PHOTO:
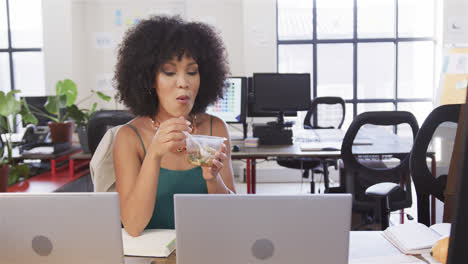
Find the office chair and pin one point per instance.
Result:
(101, 121)
(424, 182)
(326, 113)
(391, 187)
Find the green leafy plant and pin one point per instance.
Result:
(81, 115)
(10, 107)
(65, 96)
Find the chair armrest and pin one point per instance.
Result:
(381, 190)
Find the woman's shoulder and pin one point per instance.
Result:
(132, 131)
(129, 127)
(130, 136)
(214, 123)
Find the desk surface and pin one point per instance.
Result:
(43, 156)
(383, 142)
(364, 247)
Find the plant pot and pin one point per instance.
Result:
(83, 136)
(61, 132)
(4, 172)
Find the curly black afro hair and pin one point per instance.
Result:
(156, 40)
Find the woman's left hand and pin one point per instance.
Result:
(211, 173)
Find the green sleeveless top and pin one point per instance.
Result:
(172, 182)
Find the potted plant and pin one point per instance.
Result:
(10, 107)
(61, 130)
(81, 116)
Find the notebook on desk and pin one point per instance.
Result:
(273, 229)
(157, 243)
(57, 228)
(416, 238)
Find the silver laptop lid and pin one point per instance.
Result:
(274, 229)
(60, 228)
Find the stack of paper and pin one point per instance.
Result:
(156, 243)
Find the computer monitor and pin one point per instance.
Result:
(458, 245)
(231, 108)
(38, 102)
(281, 93)
(251, 111)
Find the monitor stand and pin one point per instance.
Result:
(245, 128)
(280, 122)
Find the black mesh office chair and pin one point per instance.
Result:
(425, 183)
(325, 112)
(101, 121)
(377, 191)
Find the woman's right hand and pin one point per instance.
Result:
(169, 136)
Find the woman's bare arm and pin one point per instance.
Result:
(136, 181)
(224, 182)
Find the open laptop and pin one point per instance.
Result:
(273, 229)
(60, 228)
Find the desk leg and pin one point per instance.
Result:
(433, 200)
(326, 178)
(249, 186)
(53, 168)
(402, 211)
(254, 176)
(71, 165)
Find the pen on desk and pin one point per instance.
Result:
(171, 244)
(420, 257)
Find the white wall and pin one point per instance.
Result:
(260, 36)
(57, 36)
(455, 21)
(226, 16)
(70, 28)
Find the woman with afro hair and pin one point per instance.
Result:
(168, 71)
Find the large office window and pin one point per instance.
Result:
(375, 54)
(21, 57)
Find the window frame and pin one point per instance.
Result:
(10, 50)
(355, 41)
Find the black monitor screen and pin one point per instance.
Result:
(251, 111)
(38, 102)
(231, 108)
(281, 92)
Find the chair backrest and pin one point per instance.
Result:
(102, 129)
(326, 112)
(372, 175)
(101, 121)
(425, 183)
